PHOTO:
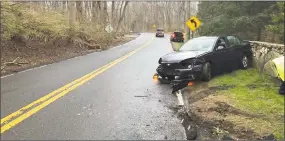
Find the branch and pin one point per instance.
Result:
(14, 62)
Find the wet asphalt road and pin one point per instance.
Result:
(121, 103)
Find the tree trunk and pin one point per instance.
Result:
(79, 11)
(94, 11)
(113, 8)
(72, 15)
(105, 14)
(122, 15)
(99, 5)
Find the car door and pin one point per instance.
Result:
(220, 56)
(235, 48)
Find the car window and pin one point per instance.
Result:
(202, 44)
(221, 42)
(179, 34)
(233, 40)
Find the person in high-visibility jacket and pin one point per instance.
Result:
(279, 64)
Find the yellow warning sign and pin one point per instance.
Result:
(193, 23)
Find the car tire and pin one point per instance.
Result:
(206, 72)
(244, 62)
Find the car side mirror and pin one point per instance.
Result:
(220, 47)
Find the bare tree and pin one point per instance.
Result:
(122, 15)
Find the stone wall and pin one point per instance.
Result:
(263, 52)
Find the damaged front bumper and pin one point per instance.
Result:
(183, 75)
(180, 75)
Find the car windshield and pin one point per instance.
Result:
(203, 44)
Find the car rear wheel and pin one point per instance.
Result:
(244, 62)
(206, 72)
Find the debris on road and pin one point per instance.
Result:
(165, 137)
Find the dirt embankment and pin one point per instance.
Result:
(209, 113)
(18, 54)
(34, 35)
(237, 106)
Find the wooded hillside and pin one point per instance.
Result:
(251, 20)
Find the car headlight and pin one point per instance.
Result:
(191, 63)
(190, 66)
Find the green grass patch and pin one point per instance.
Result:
(255, 93)
(243, 78)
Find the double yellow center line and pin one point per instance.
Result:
(30, 109)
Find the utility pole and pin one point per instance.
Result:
(188, 16)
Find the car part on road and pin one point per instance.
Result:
(179, 86)
(190, 127)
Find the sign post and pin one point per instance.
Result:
(154, 26)
(109, 29)
(193, 24)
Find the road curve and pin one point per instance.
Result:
(121, 102)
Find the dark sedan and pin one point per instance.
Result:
(201, 58)
(159, 32)
(177, 36)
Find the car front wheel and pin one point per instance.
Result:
(206, 72)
